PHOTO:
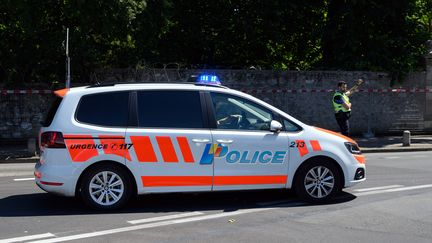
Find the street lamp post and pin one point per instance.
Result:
(67, 60)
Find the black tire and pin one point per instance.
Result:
(309, 188)
(114, 194)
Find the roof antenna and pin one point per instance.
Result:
(67, 60)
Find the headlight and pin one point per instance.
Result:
(352, 148)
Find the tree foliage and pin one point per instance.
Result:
(240, 33)
(272, 34)
(374, 35)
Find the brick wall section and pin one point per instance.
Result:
(298, 93)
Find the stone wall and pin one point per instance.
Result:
(304, 95)
(21, 114)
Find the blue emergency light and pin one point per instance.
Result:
(208, 79)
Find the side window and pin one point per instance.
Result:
(232, 112)
(169, 109)
(104, 109)
(290, 126)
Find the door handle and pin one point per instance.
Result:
(200, 140)
(227, 141)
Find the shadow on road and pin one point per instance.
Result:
(44, 204)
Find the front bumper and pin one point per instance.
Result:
(356, 170)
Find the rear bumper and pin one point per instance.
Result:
(54, 180)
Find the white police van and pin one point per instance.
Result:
(109, 142)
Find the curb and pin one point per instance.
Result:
(20, 160)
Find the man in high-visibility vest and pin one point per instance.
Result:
(342, 107)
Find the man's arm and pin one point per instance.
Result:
(339, 100)
(347, 105)
(355, 87)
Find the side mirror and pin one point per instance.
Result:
(275, 126)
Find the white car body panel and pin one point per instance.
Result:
(65, 166)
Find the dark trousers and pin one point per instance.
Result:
(342, 120)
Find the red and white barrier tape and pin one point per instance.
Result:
(254, 91)
(263, 91)
(28, 91)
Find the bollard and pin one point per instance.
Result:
(406, 141)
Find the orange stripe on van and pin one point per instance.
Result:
(115, 146)
(143, 149)
(185, 150)
(153, 181)
(74, 146)
(315, 145)
(167, 150)
(303, 150)
(360, 158)
(336, 134)
(156, 181)
(249, 180)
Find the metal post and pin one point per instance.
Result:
(67, 60)
(406, 139)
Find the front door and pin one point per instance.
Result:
(247, 155)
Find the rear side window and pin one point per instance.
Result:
(104, 109)
(52, 111)
(169, 109)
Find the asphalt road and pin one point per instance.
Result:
(393, 205)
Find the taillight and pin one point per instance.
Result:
(52, 140)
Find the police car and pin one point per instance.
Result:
(106, 143)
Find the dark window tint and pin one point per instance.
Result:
(104, 109)
(52, 111)
(291, 127)
(175, 109)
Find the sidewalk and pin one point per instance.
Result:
(16, 153)
(19, 153)
(394, 144)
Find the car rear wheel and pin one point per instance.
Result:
(318, 181)
(105, 187)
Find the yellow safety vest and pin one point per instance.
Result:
(339, 107)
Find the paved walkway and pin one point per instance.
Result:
(18, 153)
(394, 144)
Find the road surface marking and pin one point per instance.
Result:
(203, 217)
(392, 157)
(29, 237)
(394, 190)
(175, 216)
(25, 179)
(152, 225)
(16, 173)
(377, 188)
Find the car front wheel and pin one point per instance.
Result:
(318, 181)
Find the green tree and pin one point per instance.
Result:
(103, 33)
(240, 33)
(374, 35)
(30, 42)
(279, 34)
